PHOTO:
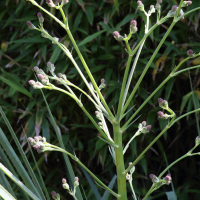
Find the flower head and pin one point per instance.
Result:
(30, 25)
(190, 53)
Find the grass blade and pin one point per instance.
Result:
(111, 184)
(5, 194)
(14, 158)
(92, 185)
(18, 182)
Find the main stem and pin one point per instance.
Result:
(121, 177)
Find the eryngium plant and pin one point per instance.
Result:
(103, 113)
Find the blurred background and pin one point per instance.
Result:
(22, 49)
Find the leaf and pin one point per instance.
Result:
(5, 194)
(17, 86)
(92, 185)
(91, 37)
(111, 184)
(184, 100)
(171, 195)
(116, 5)
(18, 182)
(55, 54)
(89, 14)
(196, 61)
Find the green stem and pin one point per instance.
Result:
(123, 86)
(82, 165)
(134, 64)
(130, 182)
(106, 137)
(121, 178)
(146, 101)
(166, 169)
(147, 67)
(187, 13)
(127, 145)
(147, 148)
(84, 64)
(183, 70)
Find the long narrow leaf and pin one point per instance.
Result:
(92, 185)
(18, 182)
(107, 193)
(5, 194)
(22, 172)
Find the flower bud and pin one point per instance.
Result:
(38, 85)
(197, 141)
(148, 127)
(64, 181)
(55, 195)
(140, 5)
(31, 141)
(102, 80)
(168, 179)
(117, 36)
(66, 186)
(154, 178)
(174, 8)
(51, 67)
(144, 123)
(36, 147)
(76, 183)
(190, 53)
(40, 76)
(36, 69)
(133, 27)
(186, 3)
(151, 176)
(76, 178)
(163, 103)
(31, 82)
(128, 176)
(30, 25)
(41, 19)
(152, 9)
(158, 6)
(50, 3)
(65, 1)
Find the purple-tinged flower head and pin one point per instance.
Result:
(40, 76)
(50, 3)
(148, 127)
(66, 186)
(140, 5)
(174, 8)
(163, 103)
(133, 22)
(59, 75)
(49, 64)
(160, 114)
(152, 176)
(65, 1)
(186, 3)
(31, 82)
(144, 123)
(190, 53)
(36, 69)
(64, 181)
(133, 27)
(76, 183)
(117, 36)
(158, 7)
(168, 177)
(40, 17)
(45, 81)
(129, 163)
(197, 141)
(102, 80)
(55, 195)
(152, 7)
(30, 25)
(36, 147)
(31, 141)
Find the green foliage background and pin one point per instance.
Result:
(22, 49)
